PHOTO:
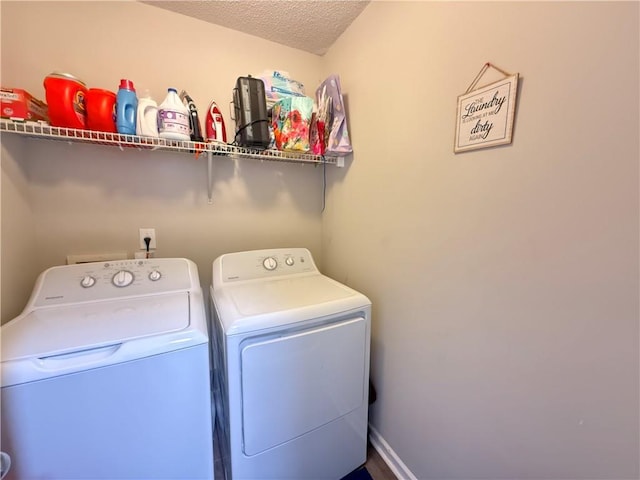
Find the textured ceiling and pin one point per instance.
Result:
(310, 25)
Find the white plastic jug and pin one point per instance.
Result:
(173, 117)
(147, 118)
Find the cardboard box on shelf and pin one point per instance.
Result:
(17, 104)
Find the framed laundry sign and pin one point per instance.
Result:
(485, 115)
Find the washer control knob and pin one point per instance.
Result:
(155, 276)
(123, 278)
(289, 261)
(269, 263)
(87, 281)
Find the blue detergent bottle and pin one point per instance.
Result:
(126, 108)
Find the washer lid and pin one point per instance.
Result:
(52, 341)
(56, 330)
(268, 303)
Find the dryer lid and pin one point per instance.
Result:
(50, 331)
(286, 294)
(263, 304)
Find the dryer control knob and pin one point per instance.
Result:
(155, 276)
(87, 281)
(289, 261)
(123, 278)
(269, 263)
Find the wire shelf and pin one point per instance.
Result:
(43, 130)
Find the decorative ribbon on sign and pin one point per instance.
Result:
(485, 115)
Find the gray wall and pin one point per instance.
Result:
(504, 281)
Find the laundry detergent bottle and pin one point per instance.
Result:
(147, 118)
(126, 108)
(173, 117)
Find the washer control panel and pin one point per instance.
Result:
(113, 279)
(263, 264)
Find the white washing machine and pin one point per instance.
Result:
(291, 367)
(105, 375)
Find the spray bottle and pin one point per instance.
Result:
(194, 122)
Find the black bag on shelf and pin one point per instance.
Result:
(250, 108)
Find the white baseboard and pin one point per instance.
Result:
(390, 457)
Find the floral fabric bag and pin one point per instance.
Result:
(291, 120)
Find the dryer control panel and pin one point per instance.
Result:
(114, 279)
(256, 264)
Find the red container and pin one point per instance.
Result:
(101, 111)
(66, 99)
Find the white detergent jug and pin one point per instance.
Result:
(147, 118)
(173, 118)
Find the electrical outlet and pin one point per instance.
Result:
(148, 232)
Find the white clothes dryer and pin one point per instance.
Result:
(291, 367)
(105, 374)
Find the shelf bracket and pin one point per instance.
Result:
(210, 177)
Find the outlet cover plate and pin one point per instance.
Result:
(148, 232)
